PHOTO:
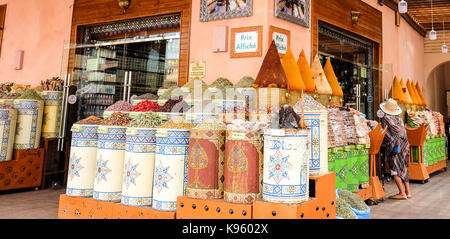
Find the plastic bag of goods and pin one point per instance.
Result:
(206, 160)
(29, 123)
(8, 119)
(170, 174)
(286, 165)
(110, 157)
(337, 126)
(357, 205)
(350, 126)
(52, 113)
(316, 118)
(83, 157)
(140, 159)
(343, 210)
(243, 162)
(362, 129)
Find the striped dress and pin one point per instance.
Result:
(398, 162)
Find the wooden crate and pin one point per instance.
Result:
(24, 171)
(191, 208)
(88, 208)
(320, 206)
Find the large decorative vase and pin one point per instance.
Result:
(29, 123)
(243, 167)
(206, 164)
(82, 163)
(286, 169)
(138, 167)
(8, 119)
(110, 161)
(52, 113)
(170, 173)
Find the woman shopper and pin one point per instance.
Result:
(396, 146)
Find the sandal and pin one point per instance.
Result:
(409, 196)
(398, 197)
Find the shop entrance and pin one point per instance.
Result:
(352, 60)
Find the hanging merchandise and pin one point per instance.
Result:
(83, 157)
(30, 109)
(271, 73)
(110, 157)
(332, 79)
(316, 118)
(406, 92)
(292, 72)
(205, 175)
(170, 171)
(243, 162)
(305, 71)
(323, 87)
(422, 97)
(286, 159)
(8, 120)
(52, 113)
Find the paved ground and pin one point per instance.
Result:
(429, 200)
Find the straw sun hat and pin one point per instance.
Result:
(391, 107)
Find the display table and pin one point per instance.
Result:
(190, 208)
(376, 139)
(24, 171)
(88, 208)
(416, 138)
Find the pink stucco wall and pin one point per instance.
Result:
(39, 28)
(220, 64)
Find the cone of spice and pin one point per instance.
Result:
(245, 82)
(406, 92)
(332, 79)
(271, 73)
(419, 91)
(323, 87)
(305, 71)
(30, 95)
(293, 75)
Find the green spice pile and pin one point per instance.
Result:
(117, 119)
(212, 124)
(173, 91)
(148, 96)
(245, 82)
(222, 83)
(353, 200)
(146, 120)
(30, 95)
(343, 209)
(191, 84)
(92, 120)
(177, 123)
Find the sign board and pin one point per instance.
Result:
(281, 37)
(246, 42)
(197, 70)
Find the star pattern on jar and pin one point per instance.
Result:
(162, 177)
(102, 169)
(75, 166)
(279, 166)
(130, 174)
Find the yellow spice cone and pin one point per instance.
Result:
(293, 75)
(413, 93)
(323, 87)
(307, 75)
(397, 91)
(416, 94)
(406, 92)
(332, 79)
(422, 97)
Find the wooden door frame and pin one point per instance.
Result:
(337, 22)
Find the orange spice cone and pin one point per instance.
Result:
(332, 79)
(422, 97)
(323, 87)
(406, 92)
(292, 72)
(305, 71)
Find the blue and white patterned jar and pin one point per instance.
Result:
(110, 161)
(138, 166)
(286, 166)
(52, 113)
(170, 174)
(82, 163)
(29, 123)
(8, 118)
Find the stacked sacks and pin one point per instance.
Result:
(305, 71)
(320, 79)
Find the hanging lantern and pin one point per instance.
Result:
(402, 6)
(444, 49)
(433, 35)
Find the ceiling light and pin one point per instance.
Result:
(402, 6)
